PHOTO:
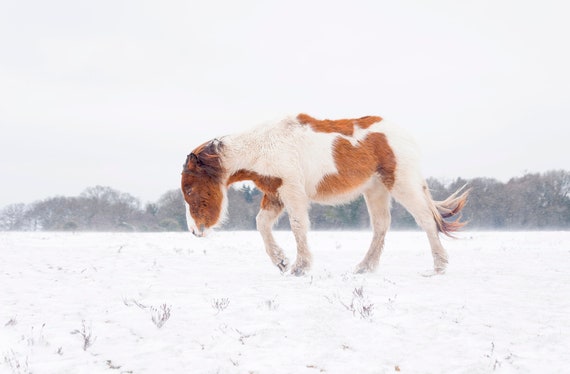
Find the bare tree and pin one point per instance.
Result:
(12, 217)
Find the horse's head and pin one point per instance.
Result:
(203, 189)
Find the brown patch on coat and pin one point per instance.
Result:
(201, 183)
(271, 202)
(268, 185)
(356, 164)
(341, 126)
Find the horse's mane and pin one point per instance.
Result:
(205, 160)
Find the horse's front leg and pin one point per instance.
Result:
(299, 226)
(270, 210)
(298, 210)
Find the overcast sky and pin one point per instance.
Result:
(117, 93)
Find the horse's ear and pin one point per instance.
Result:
(217, 145)
(213, 148)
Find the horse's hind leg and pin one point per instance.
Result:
(377, 199)
(270, 210)
(414, 196)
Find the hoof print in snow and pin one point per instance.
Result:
(432, 273)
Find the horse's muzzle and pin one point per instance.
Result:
(199, 232)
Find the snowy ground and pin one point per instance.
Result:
(93, 303)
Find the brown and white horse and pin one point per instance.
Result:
(300, 160)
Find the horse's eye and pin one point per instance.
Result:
(188, 190)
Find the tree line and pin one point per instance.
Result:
(533, 201)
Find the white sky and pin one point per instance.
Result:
(118, 92)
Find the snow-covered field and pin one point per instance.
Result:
(172, 303)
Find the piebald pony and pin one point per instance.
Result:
(300, 160)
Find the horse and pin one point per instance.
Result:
(299, 160)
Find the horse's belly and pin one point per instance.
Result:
(339, 196)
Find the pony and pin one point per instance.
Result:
(299, 160)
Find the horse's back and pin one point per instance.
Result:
(334, 160)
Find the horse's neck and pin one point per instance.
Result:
(241, 151)
(249, 151)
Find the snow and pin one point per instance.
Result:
(503, 306)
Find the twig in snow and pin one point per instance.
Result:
(112, 366)
(359, 304)
(243, 337)
(33, 340)
(160, 315)
(220, 304)
(272, 304)
(14, 363)
(131, 301)
(86, 333)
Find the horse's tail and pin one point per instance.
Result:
(447, 208)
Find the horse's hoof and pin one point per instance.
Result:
(283, 265)
(439, 270)
(363, 268)
(298, 271)
(301, 266)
